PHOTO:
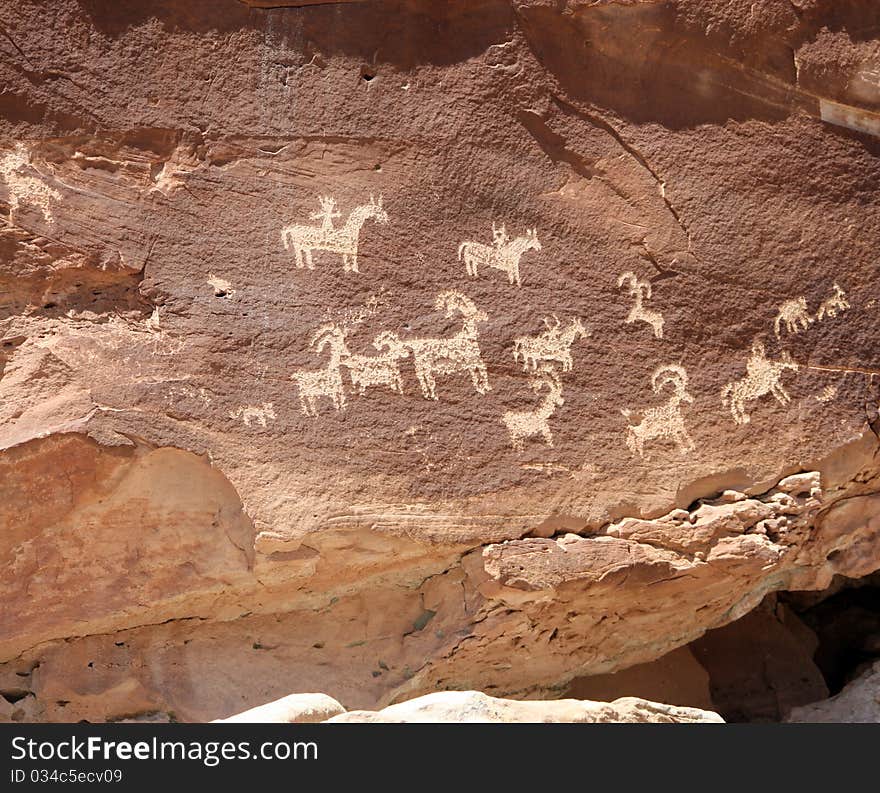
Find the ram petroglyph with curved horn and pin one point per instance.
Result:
(449, 355)
(326, 382)
(640, 290)
(523, 424)
(662, 421)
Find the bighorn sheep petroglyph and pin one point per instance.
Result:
(662, 421)
(326, 382)
(378, 370)
(640, 290)
(458, 353)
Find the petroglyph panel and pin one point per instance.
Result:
(305, 240)
(503, 254)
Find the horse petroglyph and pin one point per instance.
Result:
(458, 353)
(24, 188)
(378, 370)
(663, 421)
(640, 289)
(793, 316)
(522, 424)
(326, 382)
(249, 413)
(306, 239)
(504, 254)
(763, 376)
(553, 344)
(834, 305)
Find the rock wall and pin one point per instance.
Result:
(375, 348)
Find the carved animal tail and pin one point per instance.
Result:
(725, 394)
(460, 249)
(285, 240)
(626, 413)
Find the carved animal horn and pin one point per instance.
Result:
(671, 373)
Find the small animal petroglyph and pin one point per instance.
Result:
(640, 289)
(458, 353)
(326, 382)
(793, 315)
(378, 370)
(522, 424)
(504, 254)
(763, 376)
(553, 344)
(834, 305)
(24, 188)
(344, 241)
(249, 413)
(663, 421)
(222, 287)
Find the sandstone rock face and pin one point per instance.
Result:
(859, 702)
(387, 347)
(475, 707)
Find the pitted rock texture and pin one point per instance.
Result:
(585, 363)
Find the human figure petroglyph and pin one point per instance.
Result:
(504, 254)
(763, 376)
(378, 370)
(344, 240)
(259, 414)
(327, 214)
(326, 382)
(834, 305)
(662, 421)
(523, 424)
(793, 315)
(553, 344)
(640, 290)
(24, 188)
(458, 353)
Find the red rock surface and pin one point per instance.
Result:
(193, 523)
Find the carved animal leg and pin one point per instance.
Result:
(309, 262)
(684, 441)
(354, 262)
(299, 256)
(547, 435)
(781, 394)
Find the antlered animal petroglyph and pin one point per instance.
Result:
(522, 424)
(504, 254)
(834, 305)
(553, 344)
(458, 353)
(378, 370)
(24, 188)
(793, 315)
(640, 289)
(326, 382)
(306, 239)
(663, 421)
(763, 376)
